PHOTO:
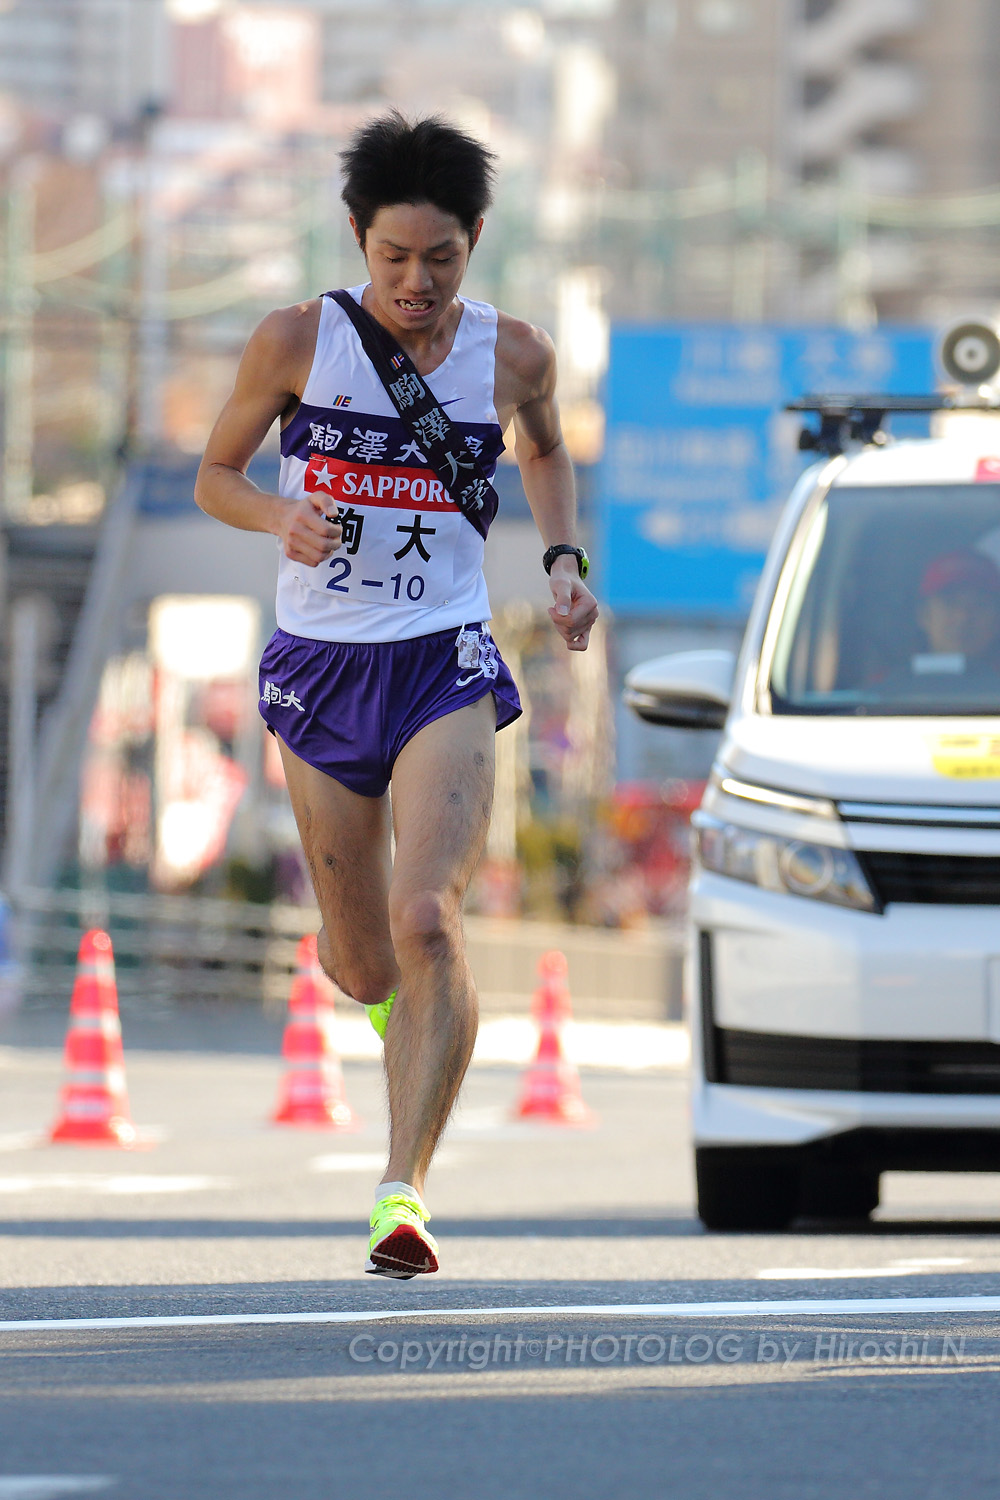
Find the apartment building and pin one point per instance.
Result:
(662, 158)
(75, 57)
(808, 106)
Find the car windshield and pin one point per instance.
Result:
(894, 607)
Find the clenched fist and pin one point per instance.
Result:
(309, 534)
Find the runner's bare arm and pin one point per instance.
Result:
(267, 385)
(528, 369)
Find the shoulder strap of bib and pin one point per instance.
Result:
(436, 434)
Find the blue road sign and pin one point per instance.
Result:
(699, 456)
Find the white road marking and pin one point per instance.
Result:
(22, 1140)
(628, 1045)
(50, 1486)
(806, 1308)
(495, 1122)
(370, 1161)
(588, 1044)
(349, 1161)
(913, 1267)
(118, 1185)
(479, 1117)
(32, 1140)
(932, 1260)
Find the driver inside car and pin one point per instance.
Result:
(959, 611)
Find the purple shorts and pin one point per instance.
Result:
(348, 709)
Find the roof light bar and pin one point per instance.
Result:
(847, 419)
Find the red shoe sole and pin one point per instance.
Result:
(404, 1253)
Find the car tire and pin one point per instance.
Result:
(838, 1192)
(746, 1187)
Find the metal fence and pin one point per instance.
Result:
(170, 949)
(167, 948)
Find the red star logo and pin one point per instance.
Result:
(323, 478)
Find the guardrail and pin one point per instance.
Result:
(633, 974)
(167, 948)
(170, 949)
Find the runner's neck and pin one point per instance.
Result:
(428, 347)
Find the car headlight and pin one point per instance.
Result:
(792, 866)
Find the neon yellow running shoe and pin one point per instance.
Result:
(378, 1015)
(400, 1246)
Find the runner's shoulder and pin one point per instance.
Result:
(286, 337)
(527, 357)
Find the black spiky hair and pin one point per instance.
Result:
(390, 160)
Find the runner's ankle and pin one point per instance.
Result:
(403, 1189)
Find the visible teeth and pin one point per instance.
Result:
(404, 303)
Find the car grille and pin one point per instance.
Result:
(942, 879)
(770, 1060)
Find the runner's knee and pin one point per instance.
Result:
(425, 921)
(367, 982)
(370, 989)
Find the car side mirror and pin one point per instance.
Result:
(686, 690)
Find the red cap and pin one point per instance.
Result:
(973, 569)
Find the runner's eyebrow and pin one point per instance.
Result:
(444, 245)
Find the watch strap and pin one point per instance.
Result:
(564, 549)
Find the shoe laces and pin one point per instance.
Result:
(399, 1201)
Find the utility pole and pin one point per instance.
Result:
(114, 356)
(750, 248)
(855, 308)
(17, 462)
(153, 260)
(22, 746)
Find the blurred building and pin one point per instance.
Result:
(780, 120)
(902, 91)
(899, 97)
(695, 158)
(171, 172)
(101, 57)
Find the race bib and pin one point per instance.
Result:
(400, 529)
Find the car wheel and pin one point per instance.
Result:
(746, 1187)
(835, 1192)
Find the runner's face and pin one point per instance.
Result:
(417, 256)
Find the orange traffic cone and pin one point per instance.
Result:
(93, 1103)
(312, 1090)
(551, 1086)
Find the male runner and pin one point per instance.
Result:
(382, 668)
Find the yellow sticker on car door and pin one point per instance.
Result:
(967, 757)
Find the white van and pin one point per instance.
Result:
(845, 899)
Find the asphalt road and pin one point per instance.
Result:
(493, 1382)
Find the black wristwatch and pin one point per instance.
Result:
(582, 560)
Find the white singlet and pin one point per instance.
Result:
(410, 563)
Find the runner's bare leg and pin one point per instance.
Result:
(345, 838)
(442, 797)
(441, 804)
